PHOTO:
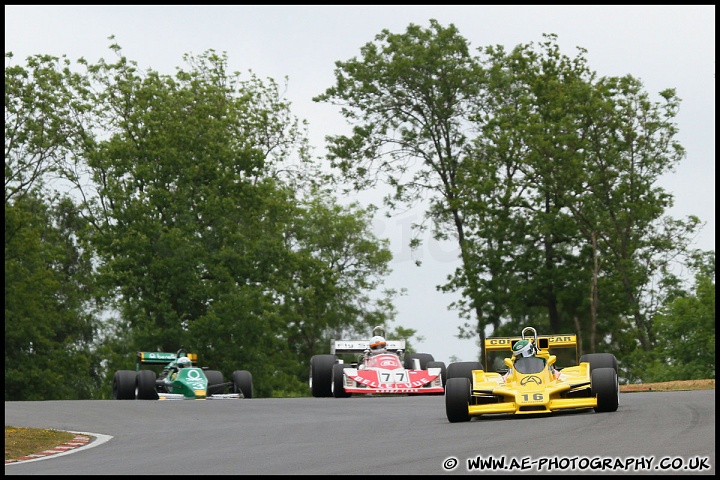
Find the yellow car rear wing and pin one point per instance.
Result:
(564, 346)
(544, 342)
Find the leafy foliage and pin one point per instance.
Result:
(544, 174)
(209, 225)
(685, 330)
(145, 211)
(49, 326)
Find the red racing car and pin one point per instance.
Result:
(381, 368)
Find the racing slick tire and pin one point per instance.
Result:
(457, 399)
(321, 375)
(423, 357)
(338, 389)
(600, 360)
(123, 387)
(242, 383)
(215, 381)
(146, 385)
(462, 369)
(604, 385)
(443, 370)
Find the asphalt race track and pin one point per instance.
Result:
(651, 433)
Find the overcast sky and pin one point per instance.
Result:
(663, 46)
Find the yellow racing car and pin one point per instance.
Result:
(533, 382)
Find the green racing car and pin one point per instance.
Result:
(178, 380)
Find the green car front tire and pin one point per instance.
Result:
(215, 381)
(123, 387)
(242, 383)
(146, 385)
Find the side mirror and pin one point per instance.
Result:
(508, 362)
(551, 360)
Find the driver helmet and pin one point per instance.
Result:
(378, 345)
(184, 362)
(523, 348)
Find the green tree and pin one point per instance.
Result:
(566, 214)
(684, 328)
(545, 176)
(409, 99)
(199, 203)
(202, 230)
(333, 285)
(41, 123)
(51, 324)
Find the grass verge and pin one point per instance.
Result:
(21, 441)
(670, 386)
